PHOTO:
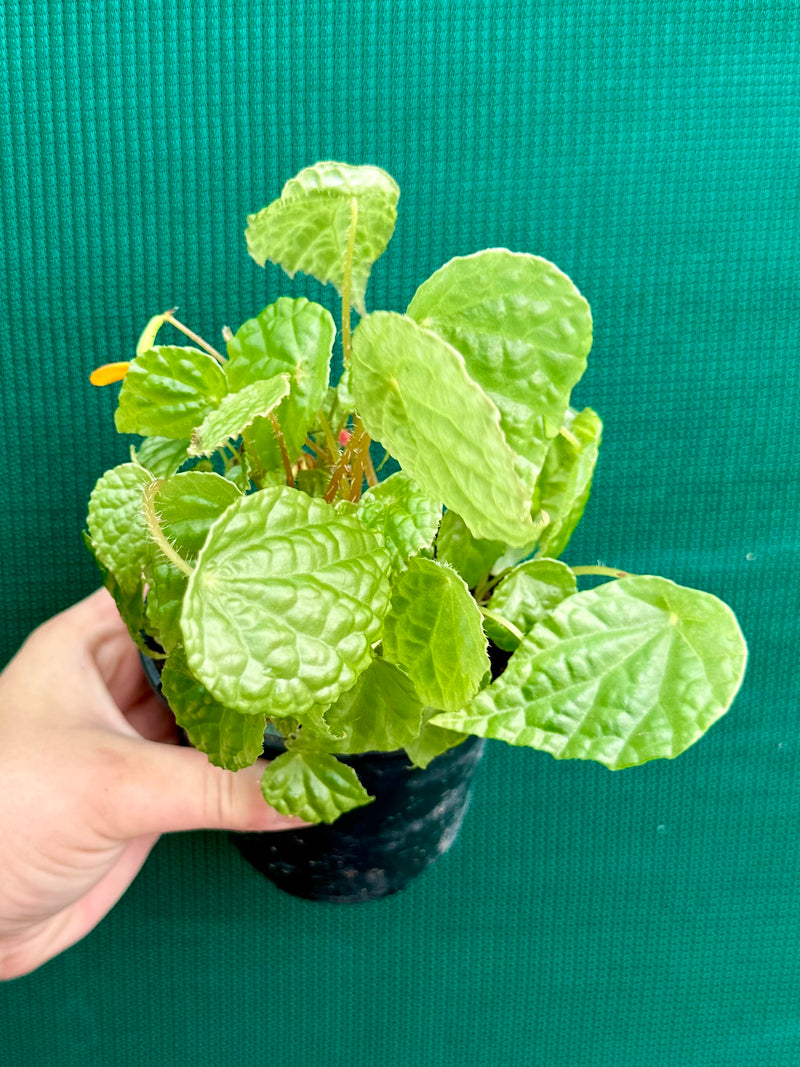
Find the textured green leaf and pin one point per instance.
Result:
(116, 524)
(130, 602)
(566, 479)
(527, 594)
(470, 556)
(524, 331)
(634, 670)
(381, 713)
(236, 412)
(415, 397)
(188, 503)
(165, 593)
(307, 228)
(401, 512)
(312, 785)
(431, 742)
(433, 632)
(168, 391)
(284, 604)
(161, 455)
(293, 337)
(227, 737)
(563, 488)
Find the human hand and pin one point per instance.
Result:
(92, 775)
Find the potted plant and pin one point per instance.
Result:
(283, 582)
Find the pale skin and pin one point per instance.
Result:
(92, 775)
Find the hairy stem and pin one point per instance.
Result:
(358, 443)
(170, 318)
(154, 528)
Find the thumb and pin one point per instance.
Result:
(157, 788)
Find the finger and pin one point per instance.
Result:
(160, 788)
(152, 719)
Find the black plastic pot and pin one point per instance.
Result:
(373, 851)
(376, 850)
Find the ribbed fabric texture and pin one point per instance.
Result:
(650, 149)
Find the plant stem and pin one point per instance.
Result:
(330, 441)
(486, 585)
(606, 572)
(568, 435)
(353, 449)
(169, 317)
(500, 621)
(154, 527)
(369, 470)
(287, 463)
(347, 280)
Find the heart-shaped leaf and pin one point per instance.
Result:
(312, 785)
(284, 604)
(308, 228)
(637, 669)
(168, 391)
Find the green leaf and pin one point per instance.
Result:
(294, 337)
(563, 487)
(634, 670)
(116, 524)
(566, 479)
(431, 742)
(407, 518)
(188, 503)
(186, 506)
(415, 396)
(236, 412)
(161, 455)
(284, 604)
(130, 602)
(168, 391)
(527, 594)
(227, 737)
(470, 556)
(434, 634)
(307, 229)
(312, 785)
(381, 713)
(524, 331)
(165, 593)
(314, 481)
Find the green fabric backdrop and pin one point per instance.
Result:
(650, 148)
